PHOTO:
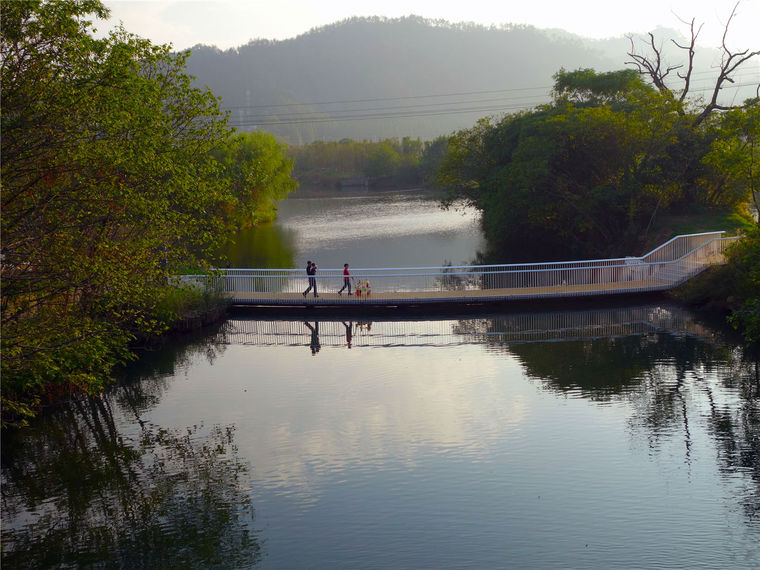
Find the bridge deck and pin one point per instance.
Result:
(665, 267)
(445, 296)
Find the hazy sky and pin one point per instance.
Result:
(231, 23)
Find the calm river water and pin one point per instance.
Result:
(619, 435)
(403, 229)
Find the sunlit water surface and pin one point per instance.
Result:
(398, 229)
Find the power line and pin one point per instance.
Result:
(401, 98)
(268, 116)
(543, 89)
(375, 115)
(329, 119)
(421, 107)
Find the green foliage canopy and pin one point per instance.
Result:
(405, 161)
(586, 175)
(744, 274)
(734, 154)
(108, 186)
(259, 175)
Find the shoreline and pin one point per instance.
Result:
(308, 191)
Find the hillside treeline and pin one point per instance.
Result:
(379, 78)
(393, 163)
(116, 175)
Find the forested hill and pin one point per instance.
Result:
(421, 78)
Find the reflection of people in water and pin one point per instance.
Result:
(349, 333)
(315, 346)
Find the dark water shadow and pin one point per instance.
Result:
(92, 484)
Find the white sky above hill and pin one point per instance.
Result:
(232, 23)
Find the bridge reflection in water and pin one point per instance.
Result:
(514, 328)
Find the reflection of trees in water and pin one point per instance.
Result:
(746, 455)
(146, 380)
(602, 368)
(672, 380)
(725, 397)
(76, 491)
(264, 245)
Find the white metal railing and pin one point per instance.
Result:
(665, 267)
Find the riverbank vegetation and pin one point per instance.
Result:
(613, 163)
(389, 163)
(595, 172)
(116, 175)
(733, 288)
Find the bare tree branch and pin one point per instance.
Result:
(690, 48)
(651, 64)
(730, 62)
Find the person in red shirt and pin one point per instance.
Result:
(346, 280)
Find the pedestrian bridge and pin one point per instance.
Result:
(665, 267)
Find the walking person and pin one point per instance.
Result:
(346, 280)
(311, 271)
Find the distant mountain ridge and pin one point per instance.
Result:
(375, 78)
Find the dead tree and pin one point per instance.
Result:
(651, 64)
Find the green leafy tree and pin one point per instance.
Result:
(382, 160)
(108, 188)
(259, 174)
(744, 274)
(432, 156)
(734, 155)
(590, 174)
(585, 87)
(579, 177)
(396, 161)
